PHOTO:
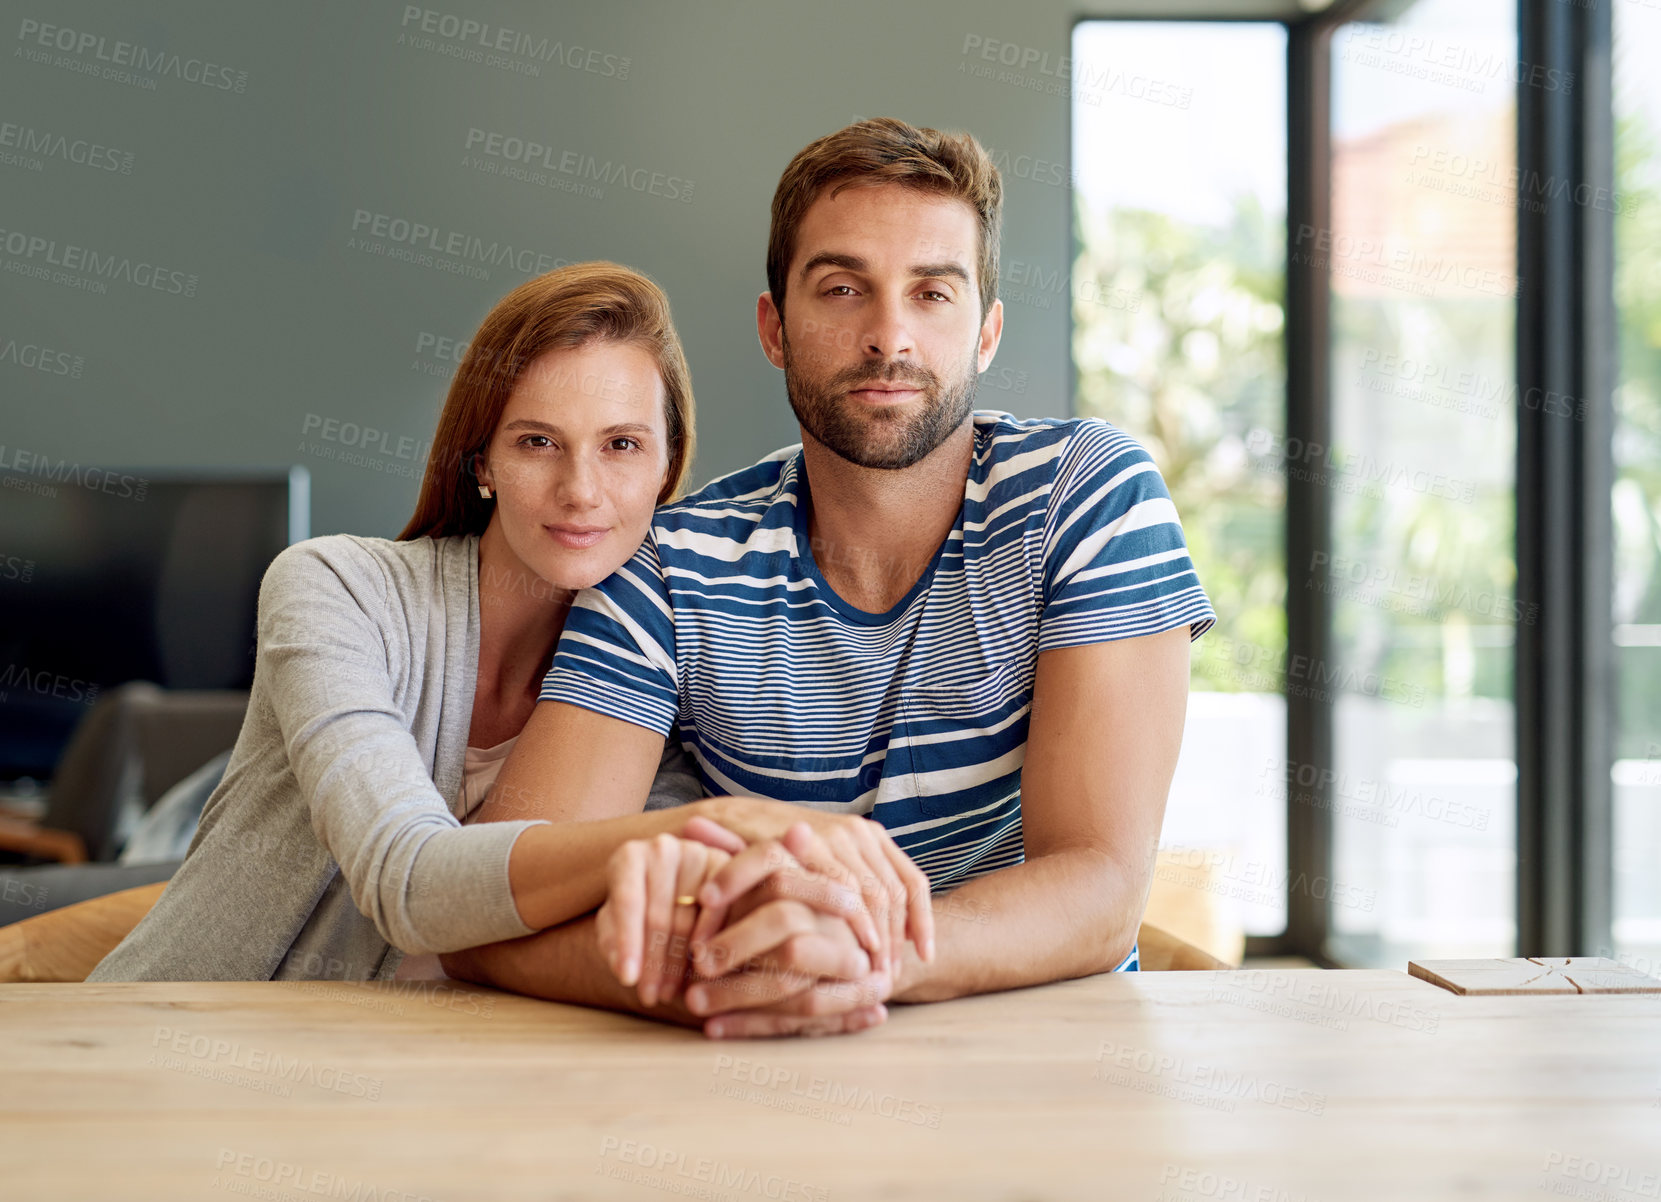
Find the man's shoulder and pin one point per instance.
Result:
(1006, 444)
(747, 510)
(755, 486)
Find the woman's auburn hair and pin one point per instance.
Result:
(567, 308)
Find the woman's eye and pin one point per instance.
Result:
(536, 440)
(625, 444)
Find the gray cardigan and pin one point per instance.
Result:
(331, 843)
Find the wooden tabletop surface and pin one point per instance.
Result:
(1269, 1084)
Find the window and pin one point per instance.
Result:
(1414, 662)
(1637, 493)
(1179, 283)
(1422, 257)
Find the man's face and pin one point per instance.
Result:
(882, 341)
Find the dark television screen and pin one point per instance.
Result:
(128, 576)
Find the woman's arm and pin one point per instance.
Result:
(333, 655)
(585, 770)
(332, 646)
(797, 972)
(559, 872)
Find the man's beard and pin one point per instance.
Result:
(879, 437)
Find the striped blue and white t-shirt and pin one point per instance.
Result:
(722, 627)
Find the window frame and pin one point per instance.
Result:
(1564, 677)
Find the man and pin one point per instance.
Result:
(970, 629)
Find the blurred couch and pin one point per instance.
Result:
(125, 799)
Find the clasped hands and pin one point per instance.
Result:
(759, 934)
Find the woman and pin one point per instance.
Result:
(393, 676)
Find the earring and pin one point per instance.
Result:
(484, 491)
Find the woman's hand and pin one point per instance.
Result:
(644, 932)
(646, 925)
(848, 849)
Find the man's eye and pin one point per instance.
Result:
(839, 289)
(935, 294)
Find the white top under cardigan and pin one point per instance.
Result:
(334, 839)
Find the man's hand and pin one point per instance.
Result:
(847, 848)
(564, 964)
(785, 969)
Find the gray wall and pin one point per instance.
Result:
(245, 323)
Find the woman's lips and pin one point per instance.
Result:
(577, 538)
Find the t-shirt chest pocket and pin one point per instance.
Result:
(946, 728)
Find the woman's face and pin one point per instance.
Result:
(578, 460)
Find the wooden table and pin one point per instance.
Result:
(1215, 1087)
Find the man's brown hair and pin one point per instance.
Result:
(572, 307)
(882, 150)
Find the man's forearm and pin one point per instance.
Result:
(1067, 914)
(562, 964)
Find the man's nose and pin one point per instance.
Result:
(887, 333)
